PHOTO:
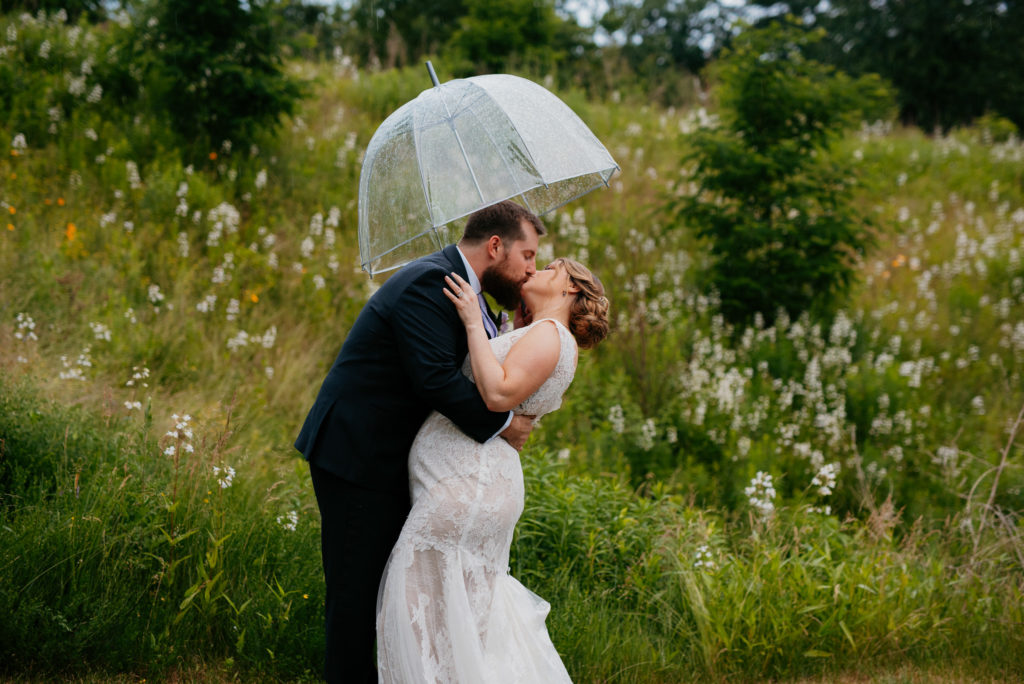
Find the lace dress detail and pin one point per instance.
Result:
(447, 610)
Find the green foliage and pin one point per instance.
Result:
(123, 556)
(660, 34)
(215, 69)
(949, 60)
(491, 33)
(684, 594)
(777, 211)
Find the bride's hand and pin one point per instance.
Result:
(464, 299)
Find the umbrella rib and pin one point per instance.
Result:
(462, 148)
(501, 156)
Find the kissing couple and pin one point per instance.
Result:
(413, 444)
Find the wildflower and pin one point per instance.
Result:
(825, 479)
(95, 94)
(130, 315)
(207, 304)
(261, 179)
(895, 453)
(947, 457)
(978, 405)
(100, 331)
(155, 295)
(617, 419)
(648, 431)
(70, 232)
(703, 558)
(183, 245)
(269, 372)
(761, 494)
(228, 477)
(241, 339)
(269, 337)
(132, 171)
(133, 405)
(213, 156)
(233, 309)
(75, 370)
(319, 282)
(139, 375)
(289, 521)
(26, 328)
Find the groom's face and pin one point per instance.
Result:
(516, 263)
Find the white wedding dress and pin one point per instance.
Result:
(448, 611)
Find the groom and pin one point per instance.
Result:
(401, 360)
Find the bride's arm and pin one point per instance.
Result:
(529, 363)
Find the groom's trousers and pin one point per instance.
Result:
(359, 527)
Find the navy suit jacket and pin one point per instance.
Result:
(401, 359)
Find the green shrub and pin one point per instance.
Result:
(777, 212)
(215, 68)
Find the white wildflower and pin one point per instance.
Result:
(617, 419)
(761, 494)
(100, 331)
(825, 479)
(289, 521)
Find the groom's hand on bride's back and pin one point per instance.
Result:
(518, 431)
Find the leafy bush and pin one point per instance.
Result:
(215, 69)
(777, 212)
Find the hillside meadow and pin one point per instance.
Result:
(789, 502)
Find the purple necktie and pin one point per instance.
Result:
(489, 326)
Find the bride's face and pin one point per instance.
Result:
(546, 284)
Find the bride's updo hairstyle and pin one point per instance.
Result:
(588, 316)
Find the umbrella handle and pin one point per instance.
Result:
(433, 76)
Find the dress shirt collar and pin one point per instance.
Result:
(474, 282)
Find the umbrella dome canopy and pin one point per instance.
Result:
(464, 145)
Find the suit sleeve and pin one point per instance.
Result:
(426, 327)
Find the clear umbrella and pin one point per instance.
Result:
(461, 146)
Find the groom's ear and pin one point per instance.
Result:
(494, 246)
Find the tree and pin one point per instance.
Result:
(950, 60)
(491, 33)
(215, 69)
(775, 209)
(420, 28)
(668, 33)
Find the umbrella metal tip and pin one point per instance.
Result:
(433, 76)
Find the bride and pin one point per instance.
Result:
(447, 609)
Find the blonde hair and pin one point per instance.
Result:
(588, 315)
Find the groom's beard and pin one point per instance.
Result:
(506, 289)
